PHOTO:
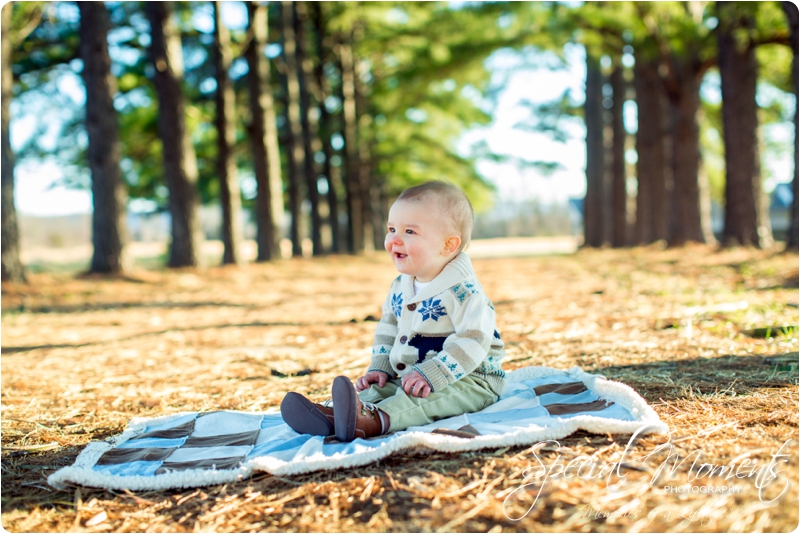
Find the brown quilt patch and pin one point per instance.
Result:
(179, 431)
(466, 431)
(565, 409)
(224, 440)
(147, 454)
(571, 388)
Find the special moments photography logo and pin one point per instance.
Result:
(665, 463)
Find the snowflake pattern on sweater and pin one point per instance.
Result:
(432, 309)
(463, 290)
(397, 304)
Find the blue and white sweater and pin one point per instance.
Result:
(446, 332)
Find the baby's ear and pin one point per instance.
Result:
(451, 244)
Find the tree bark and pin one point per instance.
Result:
(310, 125)
(109, 194)
(12, 269)
(368, 180)
(593, 205)
(379, 209)
(297, 173)
(353, 191)
(180, 164)
(619, 195)
(651, 209)
(745, 220)
(687, 222)
(792, 16)
(229, 193)
(264, 138)
(325, 125)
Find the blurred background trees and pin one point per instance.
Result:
(312, 116)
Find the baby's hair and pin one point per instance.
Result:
(451, 200)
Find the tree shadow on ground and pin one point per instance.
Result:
(695, 378)
(8, 350)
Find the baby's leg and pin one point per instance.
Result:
(468, 395)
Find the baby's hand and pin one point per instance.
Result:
(372, 377)
(415, 384)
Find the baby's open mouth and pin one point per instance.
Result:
(399, 256)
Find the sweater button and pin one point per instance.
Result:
(403, 339)
(412, 307)
(400, 366)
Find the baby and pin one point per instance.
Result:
(436, 352)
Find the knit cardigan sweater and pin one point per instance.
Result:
(446, 332)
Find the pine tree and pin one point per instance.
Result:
(264, 137)
(230, 196)
(180, 165)
(12, 268)
(109, 193)
(792, 16)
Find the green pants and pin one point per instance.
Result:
(468, 395)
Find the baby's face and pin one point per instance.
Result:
(415, 239)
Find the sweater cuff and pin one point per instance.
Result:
(381, 363)
(433, 374)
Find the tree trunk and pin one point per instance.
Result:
(619, 195)
(380, 210)
(264, 138)
(180, 165)
(792, 16)
(297, 173)
(367, 182)
(687, 223)
(12, 269)
(230, 197)
(744, 218)
(353, 191)
(325, 126)
(109, 195)
(310, 125)
(593, 206)
(651, 212)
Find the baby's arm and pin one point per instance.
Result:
(385, 335)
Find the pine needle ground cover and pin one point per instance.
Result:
(708, 338)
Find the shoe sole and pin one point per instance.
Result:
(303, 417)
(344, 415)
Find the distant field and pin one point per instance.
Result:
(152, 255)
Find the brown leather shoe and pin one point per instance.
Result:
(353, 418)
(306, 417)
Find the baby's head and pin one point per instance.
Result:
(428, 226)
(450, 206)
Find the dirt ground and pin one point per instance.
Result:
(709, 338)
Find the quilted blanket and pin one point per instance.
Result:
(198, 449)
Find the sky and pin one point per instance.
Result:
(517, 78)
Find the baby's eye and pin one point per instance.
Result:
(391, 230)
(409, 231)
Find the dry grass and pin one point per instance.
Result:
(82, 356)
